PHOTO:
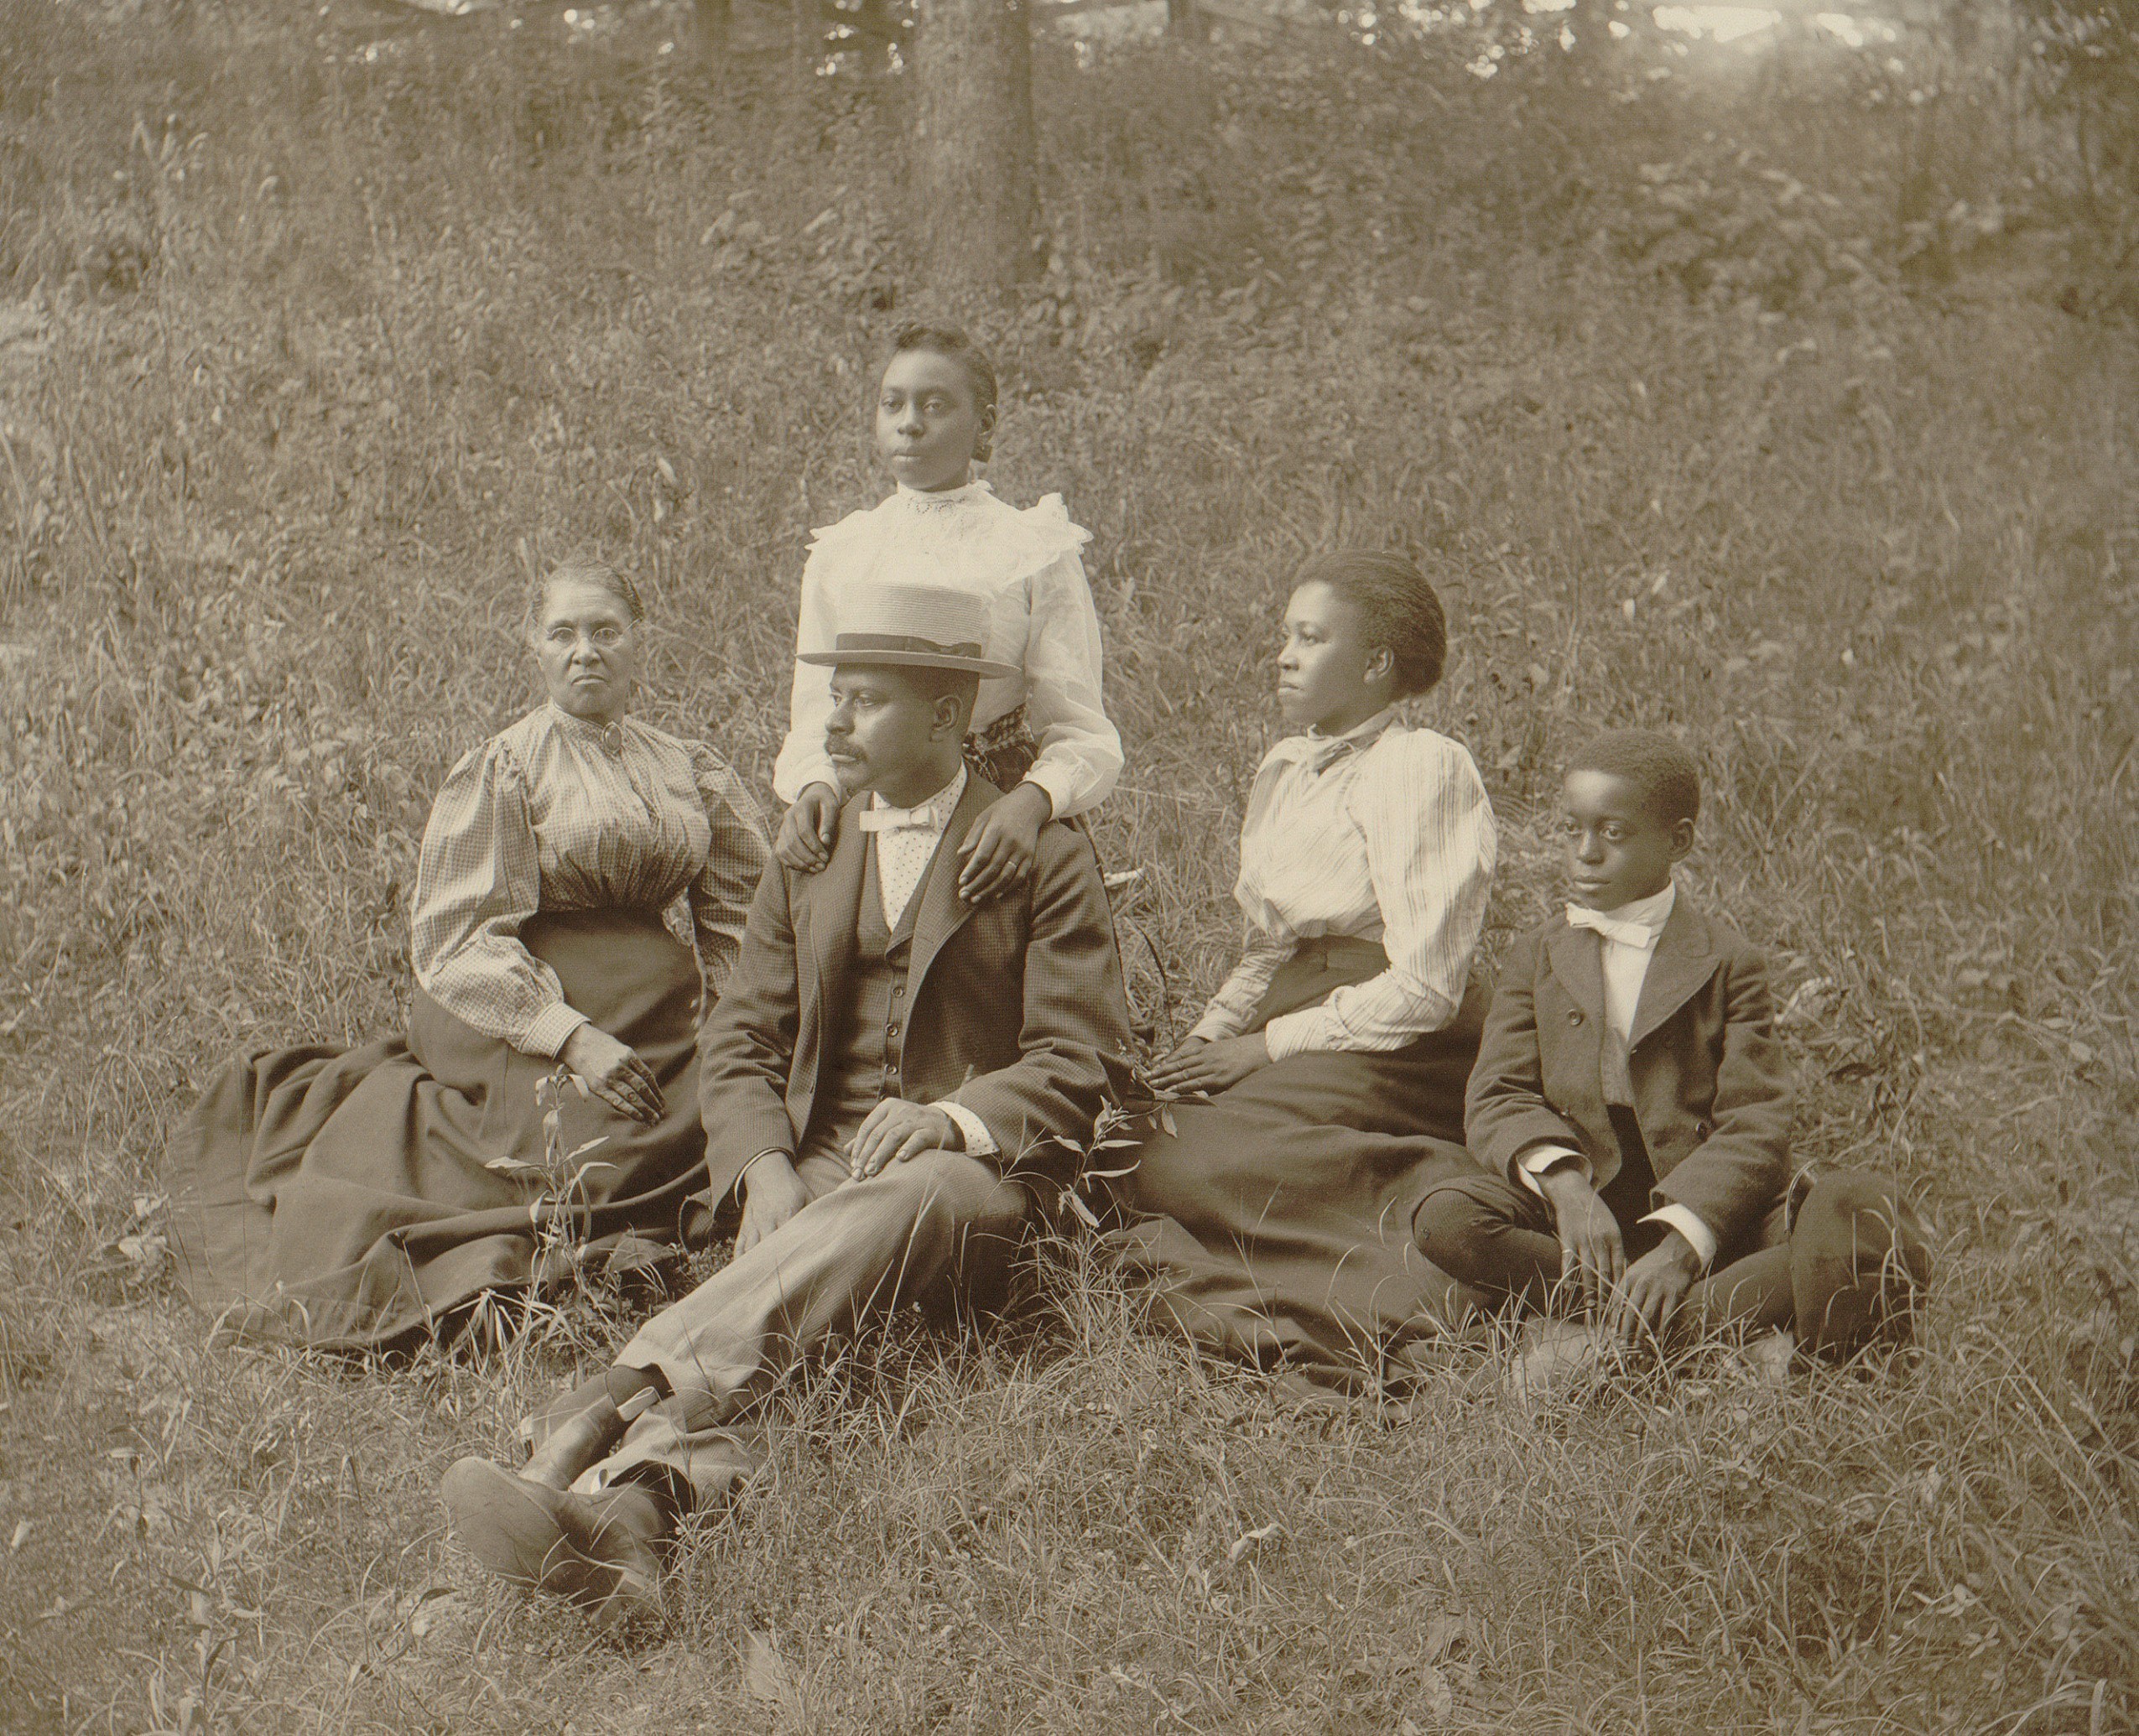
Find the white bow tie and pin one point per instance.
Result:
(1626, 933)
(898, 820)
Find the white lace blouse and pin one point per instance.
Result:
(1384, 833)
(1041, 618)
(556, 813)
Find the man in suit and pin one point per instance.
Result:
(1630, 1106)
(889, 1075)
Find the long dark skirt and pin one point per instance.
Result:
(344, 1198)
(1274, 1222)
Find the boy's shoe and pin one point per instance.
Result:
(1559, 1354)
(602, 1551)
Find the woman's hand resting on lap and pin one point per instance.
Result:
(1197, 1065)
(614, 1073)
(808, 829)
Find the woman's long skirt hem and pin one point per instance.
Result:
(362, 1199)
(1273, 1224)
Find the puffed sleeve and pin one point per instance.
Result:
(1079, 757)
(802, 761)
(1422, 810)
(721, 894)
(477, 879)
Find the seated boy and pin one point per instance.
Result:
(1632, 1105)
(888, 1067)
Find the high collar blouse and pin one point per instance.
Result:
(1041, 620)
(557, 814)
(1382, 834)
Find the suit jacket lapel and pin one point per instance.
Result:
(1683, 960)
(942, 913)
(1576, 963)
(834, 903)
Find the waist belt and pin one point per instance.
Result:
(1316, 969)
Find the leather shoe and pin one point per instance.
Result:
(602, 1551)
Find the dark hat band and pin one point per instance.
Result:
(846, 642)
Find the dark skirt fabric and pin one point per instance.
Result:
(1274, 1222)
(346, 1199)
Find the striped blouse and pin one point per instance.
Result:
(556, 813)
(1384, 834)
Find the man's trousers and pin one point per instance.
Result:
(937, 1227)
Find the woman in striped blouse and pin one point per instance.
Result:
(352, 1199)
(1325, 1079)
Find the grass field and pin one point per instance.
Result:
(304, 358)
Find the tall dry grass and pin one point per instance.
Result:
(322, 352)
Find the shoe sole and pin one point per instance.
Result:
(502, 1523)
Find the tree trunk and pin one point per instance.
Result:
(974, 143)
(1186, 22)
(807, 18)
(712, 18)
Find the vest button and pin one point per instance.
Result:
(891, 1029)
(1574, 1015)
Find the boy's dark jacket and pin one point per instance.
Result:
(1015, 1006)
(1711, 1085)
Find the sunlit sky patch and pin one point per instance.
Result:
(1731, 24)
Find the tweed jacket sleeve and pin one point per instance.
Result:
(1505, 1112)
(1741, 1167)
(1075, 1043)
(747, 1045)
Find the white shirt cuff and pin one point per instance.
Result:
(1216, 1022)
(979, 1141)
(551, 1029)
(1059, 782)
(1296, 1033)
(1535, 1161)
(1688, 1222)
(744, 1174)
(790, 783)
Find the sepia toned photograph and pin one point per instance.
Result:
(1034, 867)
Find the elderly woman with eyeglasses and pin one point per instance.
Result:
(358, 1198)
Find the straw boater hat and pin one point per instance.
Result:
(915, 626)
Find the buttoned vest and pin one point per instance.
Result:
(861, 1061)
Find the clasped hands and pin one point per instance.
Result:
(998, 853)
(1631, 1301)
(894, 1131)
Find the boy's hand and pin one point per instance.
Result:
(1656, 1285)
(1590, 1242)
(999, 850)
(1197, 1066)
(808, 829)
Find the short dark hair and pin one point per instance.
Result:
(954, 345)
(1401, 610)
(1667, 775)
